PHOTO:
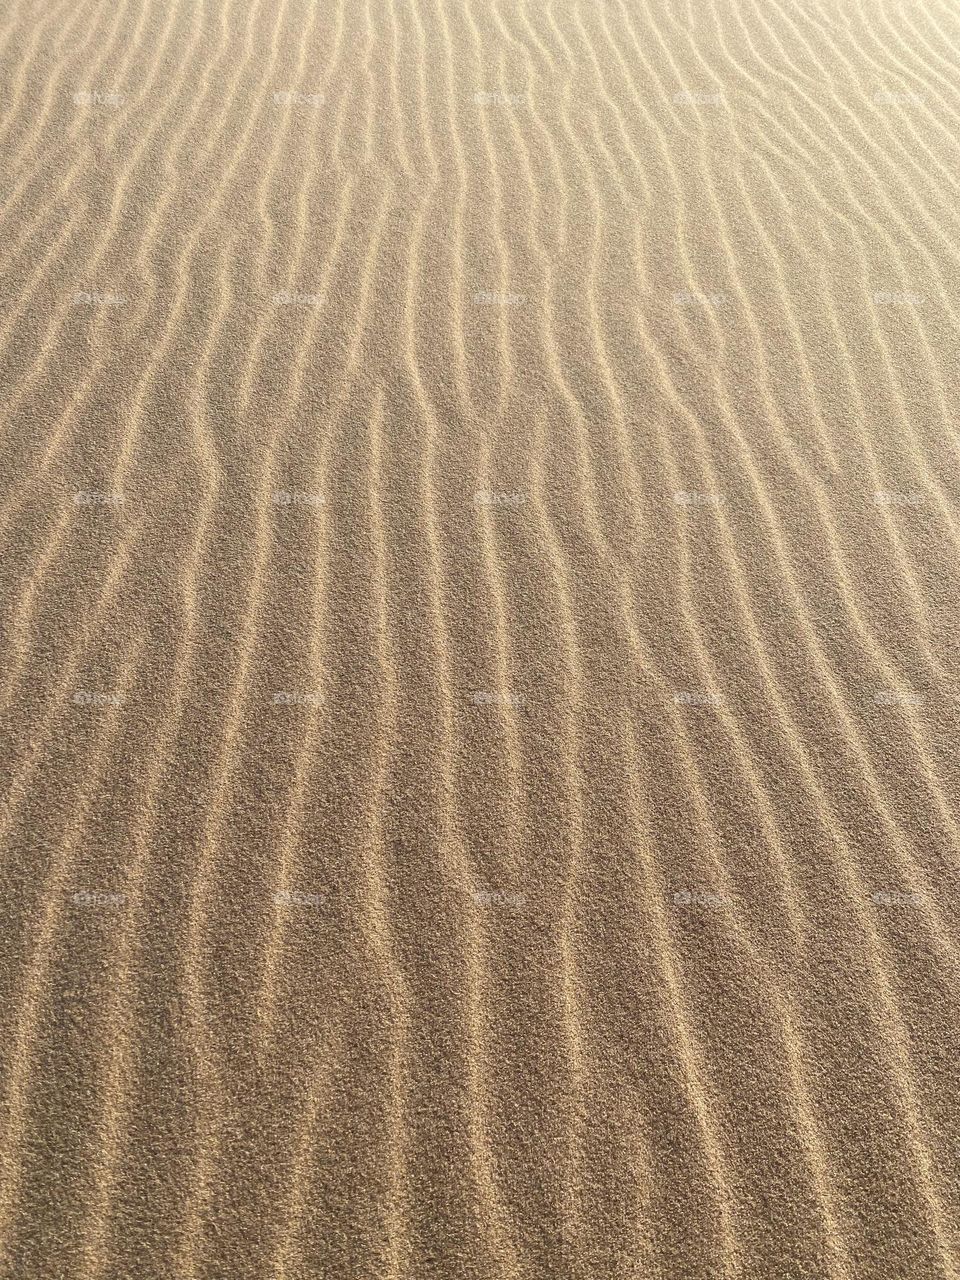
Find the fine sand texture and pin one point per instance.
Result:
(480, 648)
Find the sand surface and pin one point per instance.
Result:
(479, 673)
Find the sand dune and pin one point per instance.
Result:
(480, 673)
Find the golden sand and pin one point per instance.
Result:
(479, 548)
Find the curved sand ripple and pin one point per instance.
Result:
(478, 704)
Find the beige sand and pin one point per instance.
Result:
(480, 665)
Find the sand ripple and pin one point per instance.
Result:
(479, 553)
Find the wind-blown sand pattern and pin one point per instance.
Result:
(480, 675)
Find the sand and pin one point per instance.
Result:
(479, 548)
